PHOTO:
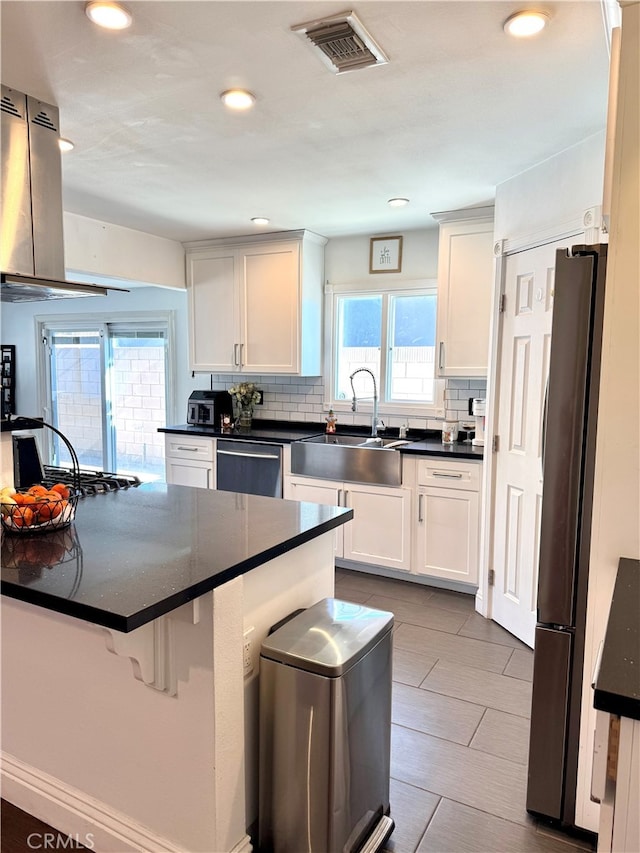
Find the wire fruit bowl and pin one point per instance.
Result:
(39, 509)
(40, 515)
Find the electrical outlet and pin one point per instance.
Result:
(261, 400)
(247, 661)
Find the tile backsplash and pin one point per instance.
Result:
(296, 398)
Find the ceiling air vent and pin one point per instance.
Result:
(343, 42)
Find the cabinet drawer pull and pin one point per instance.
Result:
(190, 449)
(447, 476)
(420, 515)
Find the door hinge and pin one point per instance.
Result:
(495, 444)
(503, 303)
(492, 577)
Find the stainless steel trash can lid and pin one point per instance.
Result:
(327, 638)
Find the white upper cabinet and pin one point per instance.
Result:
(255, 304)
(465, 288)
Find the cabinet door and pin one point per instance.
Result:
(465, 288)
(270, 298)
(380, 532)
(214, 342)
(183, 472)
(447, 534)
(324, 492)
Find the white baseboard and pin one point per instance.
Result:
(88, 821)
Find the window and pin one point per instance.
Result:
(106, 388)
(393, 334)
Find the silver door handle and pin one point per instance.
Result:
(241, 347)
(420, 499)
(345, 498)
(447, 476)
(208, 478)
(248, 455)
(235, 355)
(190, 449)
(441, 355)
(340, 497)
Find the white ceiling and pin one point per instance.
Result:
(459, 108)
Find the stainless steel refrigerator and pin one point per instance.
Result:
(569, 438)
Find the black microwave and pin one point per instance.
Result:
(206, 408)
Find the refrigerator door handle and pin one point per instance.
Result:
(545, 406)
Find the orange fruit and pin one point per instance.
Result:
(23, 517)
(37, 490)
(22, 499)
(49, 509)
(62, 490)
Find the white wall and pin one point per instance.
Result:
(346, 259)
(551, 192)
(18, 326)
(99, 249)
(616, 499)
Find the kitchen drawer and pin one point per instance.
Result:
(451, 475)
(188, 447)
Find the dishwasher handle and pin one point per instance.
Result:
(248, 455)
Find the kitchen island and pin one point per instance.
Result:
(129, 698)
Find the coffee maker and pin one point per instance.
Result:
(478, 408)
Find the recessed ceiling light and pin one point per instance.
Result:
(398, 202)
(238, 99)
(526, 23)
(65, 144)
(259, 220)
(108, 14)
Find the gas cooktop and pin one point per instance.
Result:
(91, 482)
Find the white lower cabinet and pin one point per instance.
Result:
(380, 533)
(324, 492)
(189, 461)
(447, 519)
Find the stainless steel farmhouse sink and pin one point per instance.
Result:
(354, 458)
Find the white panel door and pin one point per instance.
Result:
(271, 304)
(213, 312)
(380, 532)
(523, 369)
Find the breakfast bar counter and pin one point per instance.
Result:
(130, 658)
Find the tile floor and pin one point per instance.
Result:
(460, 725)
(461, 693)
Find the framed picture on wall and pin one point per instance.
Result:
(385, 254)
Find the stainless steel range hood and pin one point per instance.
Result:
(31, 236)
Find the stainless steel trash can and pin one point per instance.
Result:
(325, 728)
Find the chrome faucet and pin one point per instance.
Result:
(376, 423)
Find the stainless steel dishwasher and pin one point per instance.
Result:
(252, 467)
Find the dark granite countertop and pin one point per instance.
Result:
(427, 443)
(433, 446)
(133, 555)
(617, 686)
(274, 431)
